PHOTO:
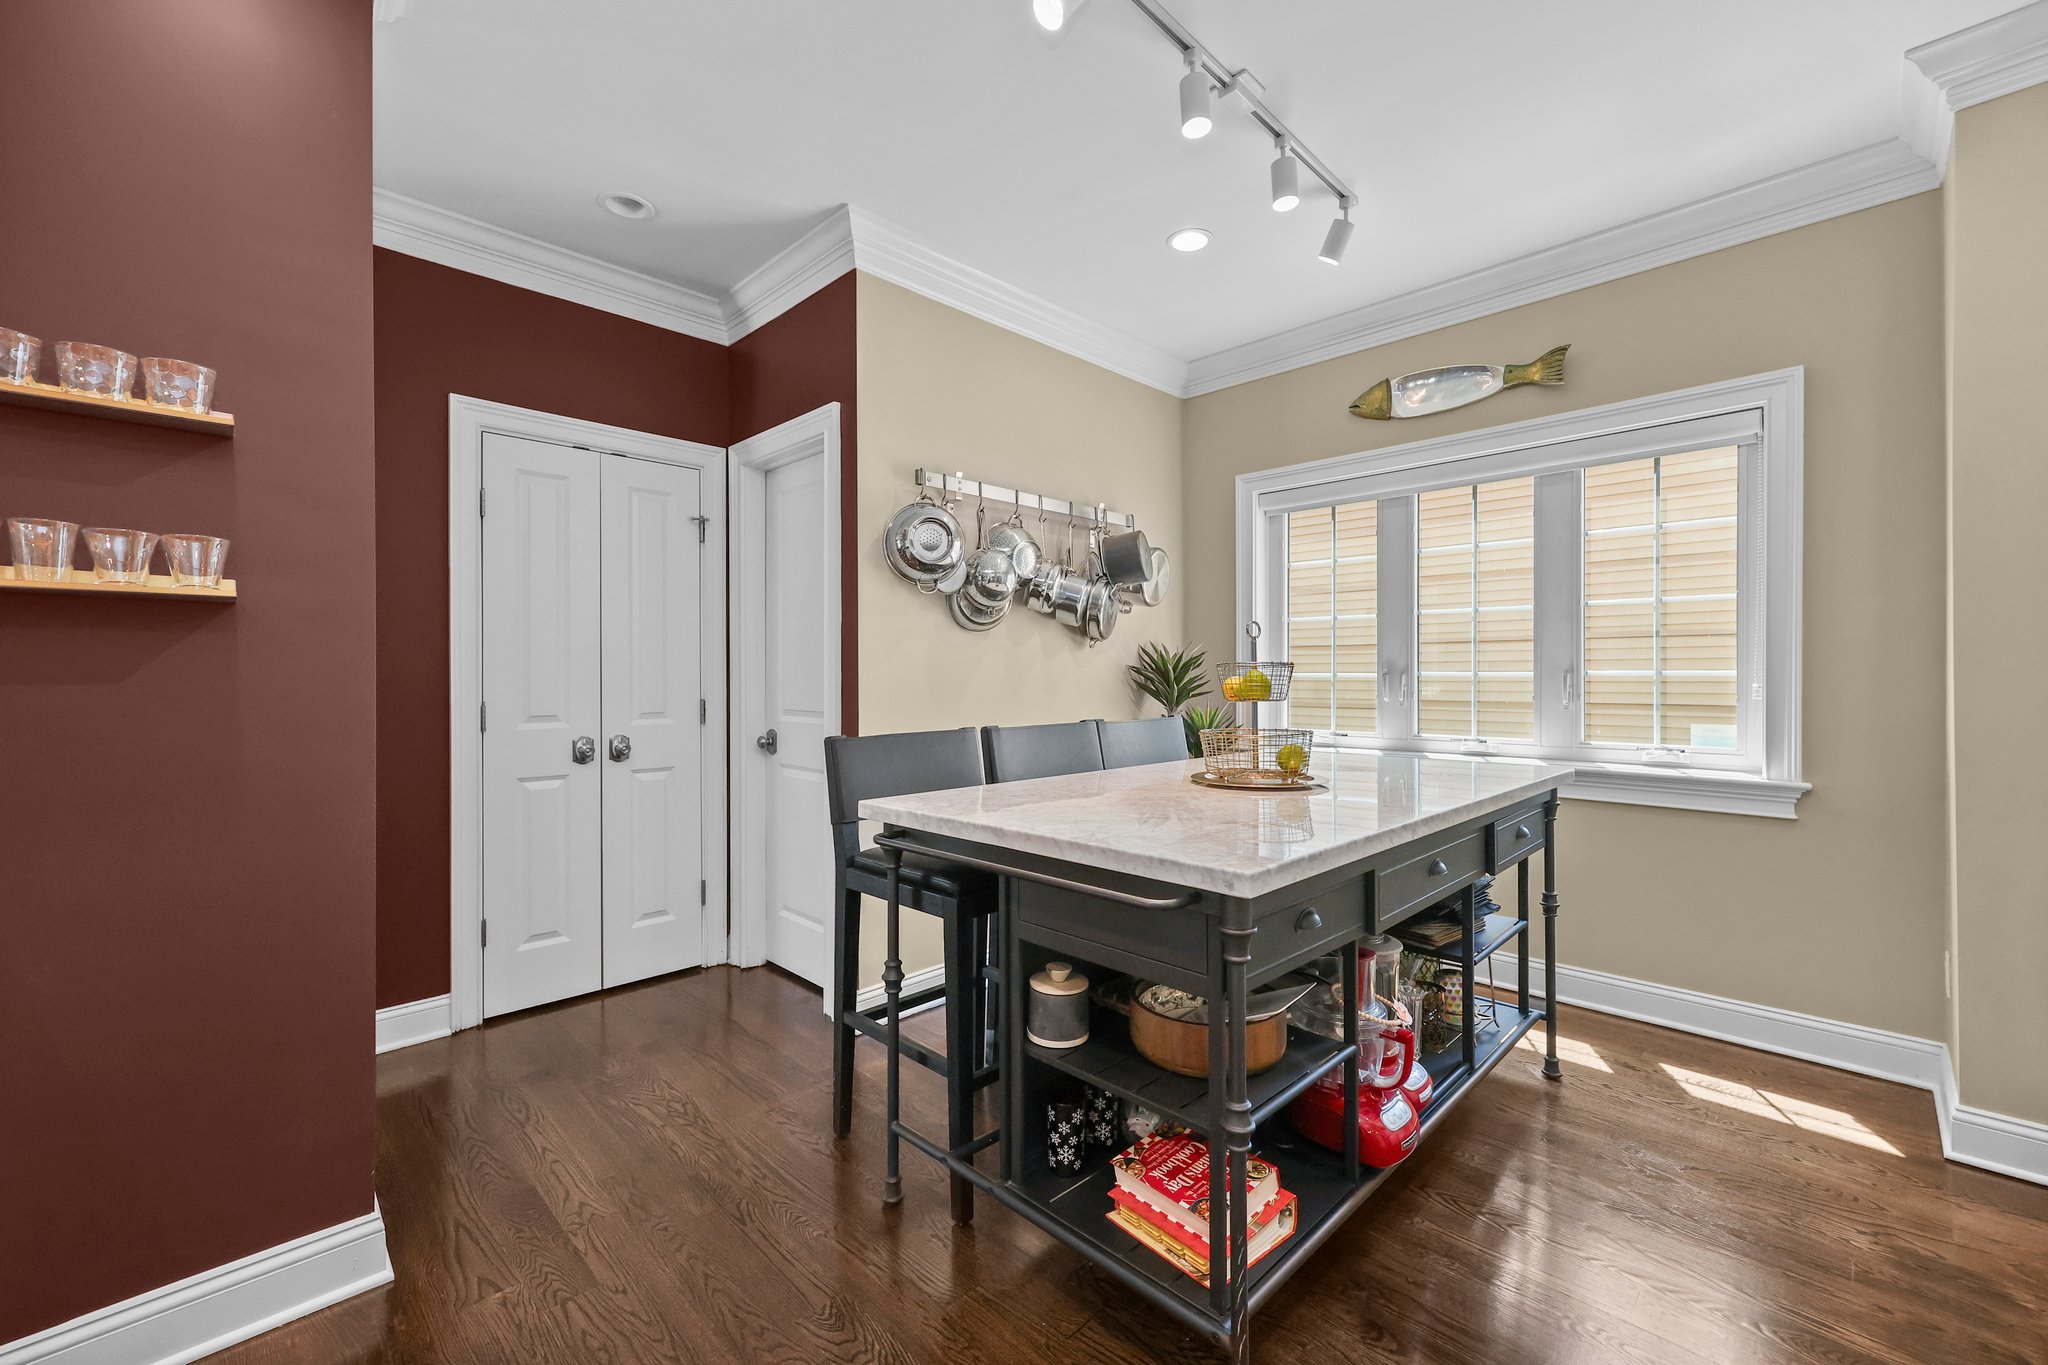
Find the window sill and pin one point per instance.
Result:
(1703, 789)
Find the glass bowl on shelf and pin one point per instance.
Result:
(42, 548)
(20, 356)
(177, 384)
(195, 561)
(120, 556)
(100, 371)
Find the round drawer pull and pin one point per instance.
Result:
(1308, 921)
(1521, 832)
(1437, 867)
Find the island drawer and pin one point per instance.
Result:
(1174, 940)
(1309, 928)
(1514, 837)
(1427, 878)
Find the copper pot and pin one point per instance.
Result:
(1170, 1028)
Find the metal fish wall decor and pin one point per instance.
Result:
(1453, 386)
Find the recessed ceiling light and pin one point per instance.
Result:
(627, 205)
(1189, 239)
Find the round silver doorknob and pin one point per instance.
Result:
(766, 743)
(621, 748)
(583, 749)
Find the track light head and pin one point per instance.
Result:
(1195, 119)
(1054, 15)
(1338, 238)
(1286, 180)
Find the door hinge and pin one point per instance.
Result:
(485, 926)
(702, 524)
(703, 893)
(480, 502)
(703, 711)
(483, 716)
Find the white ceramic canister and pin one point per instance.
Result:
(1058, 1015)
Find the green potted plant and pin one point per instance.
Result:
(1174, 678)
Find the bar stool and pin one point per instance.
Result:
(1018, 752)
(963, 899)
(1129, 743)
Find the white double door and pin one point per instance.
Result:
(593, 742)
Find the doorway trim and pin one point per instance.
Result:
(469, 419)
(815, 433)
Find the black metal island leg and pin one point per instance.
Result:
(892, 991)
(1550, 1066)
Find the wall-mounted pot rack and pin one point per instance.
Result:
(962, 486)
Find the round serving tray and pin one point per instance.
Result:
(1306, 784)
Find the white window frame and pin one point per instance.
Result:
(1763, 415)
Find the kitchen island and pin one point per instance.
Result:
(1140, 871)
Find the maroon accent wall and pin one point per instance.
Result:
(801, 361)
(188, 795)
(441, 331)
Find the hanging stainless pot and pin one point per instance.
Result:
(1154, 590)
(991, 577)
(1099, 612)
(1067, 596)
(1016, 542)
(971, 615)
(1127, 558)
(923, 543)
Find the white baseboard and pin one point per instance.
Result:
(871, 996)
(1974, 1137)
(215, 1309)
(419, 1021)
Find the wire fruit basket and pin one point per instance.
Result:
(1250, 756)
(1254, 680)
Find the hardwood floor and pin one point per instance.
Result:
(650, 1176)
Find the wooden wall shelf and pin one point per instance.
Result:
(159, 586)
(51, 398)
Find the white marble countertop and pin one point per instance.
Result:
(1152, 822)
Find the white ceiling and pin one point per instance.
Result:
(1474, 134)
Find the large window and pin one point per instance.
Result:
(1622, 596)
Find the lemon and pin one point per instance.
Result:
(1233, 690)
(1255, 686)
(1292, 758)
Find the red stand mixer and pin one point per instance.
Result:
(1392, 1089)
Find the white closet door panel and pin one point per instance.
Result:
(542, 844)
(652, 651)
(799, 845)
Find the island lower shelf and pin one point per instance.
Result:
(1081, 1203)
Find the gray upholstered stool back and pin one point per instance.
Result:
(1128, 743)
(1018, 752)
(858, 767)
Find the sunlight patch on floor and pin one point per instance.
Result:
(1814, 1118)
(1568, 1050)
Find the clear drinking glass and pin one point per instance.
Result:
(196, 561)
(42, 548)
(100, 371)
(177, 384)
(120, 556)
(20, 355)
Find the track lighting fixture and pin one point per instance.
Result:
(1195, 120)
(1338, 237)
(1054, 15)
(1286, 180)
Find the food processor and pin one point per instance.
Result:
(1392, 1089)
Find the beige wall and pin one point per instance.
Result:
(941, 389)
(1839, 913)
(1997, 200)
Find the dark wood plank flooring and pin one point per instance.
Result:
(650, 1176)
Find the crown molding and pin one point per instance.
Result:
(888, 252)
(800, 270)
(460, 243)
(1984, 61)
(1825, 189)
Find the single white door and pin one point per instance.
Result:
(653, 743)
(789, 620)
(542, 850)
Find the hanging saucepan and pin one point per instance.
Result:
(1127, 558)
(1066, 596)
(1154, 591)
(991, 577)
(1099, 613)
(923, 544)
(971, 615)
